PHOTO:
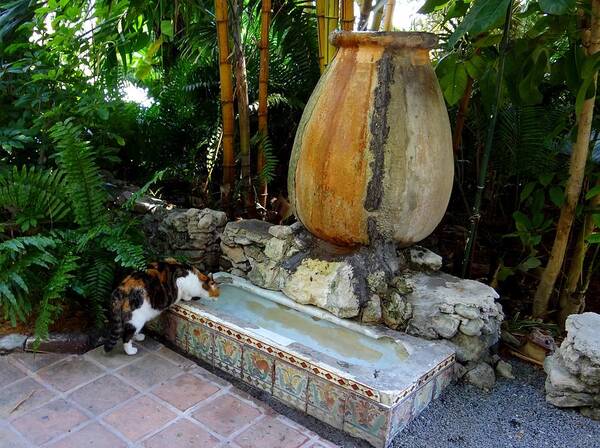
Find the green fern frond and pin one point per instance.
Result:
(268, 172)
(54, 295)
(33, 196)
(84, 182)
(97, 279)
(19, 258)
(142, 191)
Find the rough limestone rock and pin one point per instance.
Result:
(396, 311)
(10, 342)
(288, 258)
(504, 369)
(463, 311)
(372, 312)
(328, 285)
(481, 376)
(574, 369)
(423, 259)
(190, 232)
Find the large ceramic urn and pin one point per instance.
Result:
(372, 158)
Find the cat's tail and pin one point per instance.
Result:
(116, 321)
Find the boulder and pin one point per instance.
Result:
(372, 312)
(504, 369)
(327, 284)
(481, 375)
(462, 311)
(423, 259)
(574, 369)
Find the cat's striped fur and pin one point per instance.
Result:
(144, 295)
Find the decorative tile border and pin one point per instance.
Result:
(342, 403)
(304, 363)
(257, 368)
(326, 401)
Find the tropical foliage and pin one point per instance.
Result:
(517, 75)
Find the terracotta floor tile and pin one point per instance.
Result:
(149, 370)
(103, 394)
(272, 433)
(92, 436)
(185, 391)
(37, 361)
(181, 361)
(115, 358)
(9, 439)
(182, 434)
(70, 373)
(49, 421)
(9, 373)
(226, 414)
(139, 418)
(19, 398)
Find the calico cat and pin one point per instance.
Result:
(144, 295)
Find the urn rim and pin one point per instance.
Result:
(389, 39)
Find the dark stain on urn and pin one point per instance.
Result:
(379, 131)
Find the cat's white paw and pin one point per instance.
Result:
(129, 348)
(139, 337)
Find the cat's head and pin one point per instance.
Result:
(208, 284)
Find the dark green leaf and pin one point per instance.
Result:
(545, 179)
(530, 263)
(557, 7)
(593, 192)
(482, 16)
(432, 5)
(594, 238)
(521, 221)
(452, 77)
(557, 195)
(166, 28)
(103, 113)
(527, 190)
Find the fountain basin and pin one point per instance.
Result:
(366, 380)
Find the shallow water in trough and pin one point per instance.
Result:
(287, 326)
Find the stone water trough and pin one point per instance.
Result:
(367, 381)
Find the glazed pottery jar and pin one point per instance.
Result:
(372, 158)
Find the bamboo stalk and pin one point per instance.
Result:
(365, 9)
(332, 15)
(377, 18)
(388, 15)
(475, 216)
(579, 157)
(241, 87)
(321, 32)
(347, 15)
(263, 85)
(226, 101)
(573, 293)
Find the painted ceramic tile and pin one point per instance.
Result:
(257, 368)
(227, 354)
(365, 417)
(442, 381)
(182, 333)
(290, 384)
(423, 397)
(401, 415)
(201, 342)
(326, 401)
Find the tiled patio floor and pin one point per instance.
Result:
(156, 398)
